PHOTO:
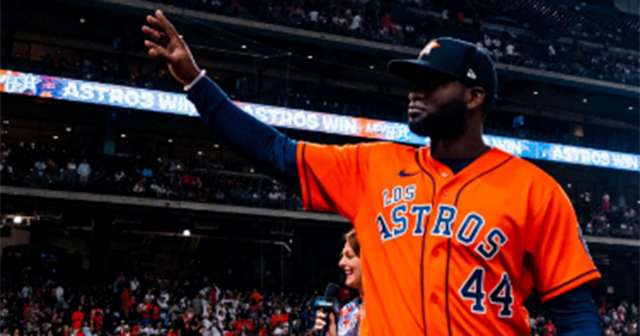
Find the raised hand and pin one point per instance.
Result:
(164, 43)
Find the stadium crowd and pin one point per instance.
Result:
(196, 179)
(606, 219)
(147, 305)
(617, 319)
(537, 34)
(515, 32)
(204, 179)
(39, 303)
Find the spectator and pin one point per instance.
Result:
(71, 173)
(84, 173)
(140, 186)
(606, 204)
(356, 23)
(77, 319)
(97, 320)
(58, 293)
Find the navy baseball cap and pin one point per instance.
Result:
(453, 58)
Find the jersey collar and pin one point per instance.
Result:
(441, 171)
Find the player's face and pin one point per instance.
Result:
(437, 109)
(350, 264)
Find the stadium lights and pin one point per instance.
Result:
(82, 20)
(68, 129)
(371, 67)
(244, 46)
(216, 146)
(199, 153)
(123, 135)
(17, 220)
(186, 233)
(55, 137)
(5, 122)
(630, 108)
(535, 93)
(310, 57)
(569, 185)
(585, 100)
(170, 141)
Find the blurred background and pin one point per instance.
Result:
(121, 215)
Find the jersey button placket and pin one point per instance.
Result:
(434, 298)
(439, 246)
(440, 249)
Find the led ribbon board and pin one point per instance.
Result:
(23, 83)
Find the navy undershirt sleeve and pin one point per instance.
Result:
(574, 313)
(262, 144)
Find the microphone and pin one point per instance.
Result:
(328, 303)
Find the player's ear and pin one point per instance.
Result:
(475, 97)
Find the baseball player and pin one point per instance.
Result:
(454, 236)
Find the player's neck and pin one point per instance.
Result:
(469, 145)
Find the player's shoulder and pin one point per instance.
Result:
(377, 149)
(389, 153)
(384, 147)
(367, 151)
(525, 170)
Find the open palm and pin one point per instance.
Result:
(165, 44)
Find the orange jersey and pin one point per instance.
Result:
(446, 253)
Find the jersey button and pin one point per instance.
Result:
(436, 249)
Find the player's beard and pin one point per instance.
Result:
(449, 122)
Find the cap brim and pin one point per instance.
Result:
(416, 71)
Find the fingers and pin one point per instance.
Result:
(155, 35)
(320, 320)
(166, 25)
(320, 323)
(156, 51)
(153, 22)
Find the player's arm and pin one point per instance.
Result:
(329, 178)
(561, 259)
(262, 144)
(563, 268)
(574, 313)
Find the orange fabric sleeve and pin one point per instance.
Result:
(331, 177)
(560, 254)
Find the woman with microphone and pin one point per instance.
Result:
(351, 314)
